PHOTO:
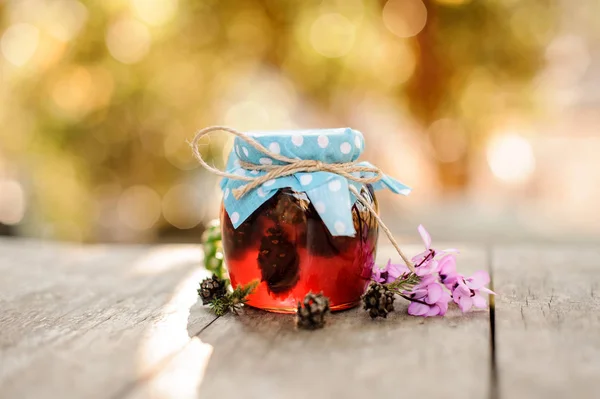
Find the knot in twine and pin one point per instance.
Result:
(290, 167)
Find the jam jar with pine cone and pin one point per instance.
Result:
(304, 232)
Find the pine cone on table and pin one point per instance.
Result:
(378, 300)
(311, 312)
(211, 288)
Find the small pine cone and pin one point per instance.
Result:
(279, 261)
(378, 300)
(211, 288)
(290, 207)
(311, 312)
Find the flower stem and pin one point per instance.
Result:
(413, 300)
(430, 254)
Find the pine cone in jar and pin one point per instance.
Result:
(289, 207)
(278, 261)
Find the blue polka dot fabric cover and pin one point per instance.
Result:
(327, 191)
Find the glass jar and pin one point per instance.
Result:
(286, 246)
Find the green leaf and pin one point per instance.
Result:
(403, 283)
(213, 250)
(232, 301)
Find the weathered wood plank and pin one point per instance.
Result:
(262, 355)
(92, 321)
(547, 321)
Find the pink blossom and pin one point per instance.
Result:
(428, 298)
(425, 262)
(389, 273)
(447, 271)
(422, 260)
(437, 281)
(466, 292)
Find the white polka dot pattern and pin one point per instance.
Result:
(323, 141)
(305, 180)
(274, 147)
(345, 148)
(327, 192)
(297, 140)
(335, 185)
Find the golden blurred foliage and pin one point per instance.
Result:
(98, 98)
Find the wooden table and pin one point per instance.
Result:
(123, 322)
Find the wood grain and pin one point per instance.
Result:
(124, 322)
(91, 321)
(547, 321)
(263, 355)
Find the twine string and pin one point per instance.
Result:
(291, 166)
(385, 229)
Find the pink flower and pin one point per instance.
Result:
(466, 292)
(447, 271)
(425, 262)
(435, 281)
(428, 298)
(389, 273)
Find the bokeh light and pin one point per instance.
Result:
(12, 202)
(460, 97)
(511, 158)
(180, 206)
(139, 207)
(448, 140)
(404, 18)
(332, 35)
(19, 43)
(128, 40)
(64, 19)
(155, 12)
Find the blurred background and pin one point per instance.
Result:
(487, 108)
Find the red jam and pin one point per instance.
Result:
(285, 245)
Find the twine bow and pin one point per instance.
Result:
(292, 166)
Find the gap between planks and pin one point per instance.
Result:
(494, 392)
(547, 319)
